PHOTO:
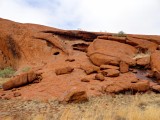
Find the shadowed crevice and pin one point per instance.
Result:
(13, 47)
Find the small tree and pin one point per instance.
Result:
(120, 34)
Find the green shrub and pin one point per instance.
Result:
(120, 34)
(7, 72)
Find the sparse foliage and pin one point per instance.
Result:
(120, 34)
(7, 72)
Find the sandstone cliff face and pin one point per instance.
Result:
(91, 55)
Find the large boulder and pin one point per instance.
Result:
(124, 67)
(144, 61)
(74, 95)
(20, 80)
(126, 82)
(155, 64)
(110, 52)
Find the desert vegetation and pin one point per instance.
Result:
(77, 75)
(117, 107)
(120, 34)
(7, 72)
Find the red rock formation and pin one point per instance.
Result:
(20, 80)
(74, 95)
(144, 61)
(155, 64)
(124, 67)
(90, 55)
(23, 44)
(110, 52)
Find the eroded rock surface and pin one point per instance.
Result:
(74, 65)
(74, 95)
(103, 52)
(64, 70)
(20, 80)
(155, 64)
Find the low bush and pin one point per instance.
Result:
(120, 34)
(7, 72)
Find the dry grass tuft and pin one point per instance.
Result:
(139, 107)
(121, 107)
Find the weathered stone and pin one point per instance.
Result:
(158, 47)
(103, 52)
(155, 64)
(17, 94)
(118, 39)
(143, 61)
(20, 80)
(113, 38)
(156, 88)
(27, 44)
(103, 67)
(140, 86)
(64, 70)
(126, 82)
(150, 74)
(31, 76)
(45, 49)
(111, 73)
(90, 69)
(99, 77)
(74, 95)
(142, 44)
(124, 67)
(85, 80)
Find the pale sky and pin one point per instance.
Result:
(130, 16)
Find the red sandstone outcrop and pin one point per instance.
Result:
(124, 67)
(99, 62)
(99, 76)
(126, 82)
(155, 64)
(103, 52)
(142, 45)
(144, 61)
(74, 95)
